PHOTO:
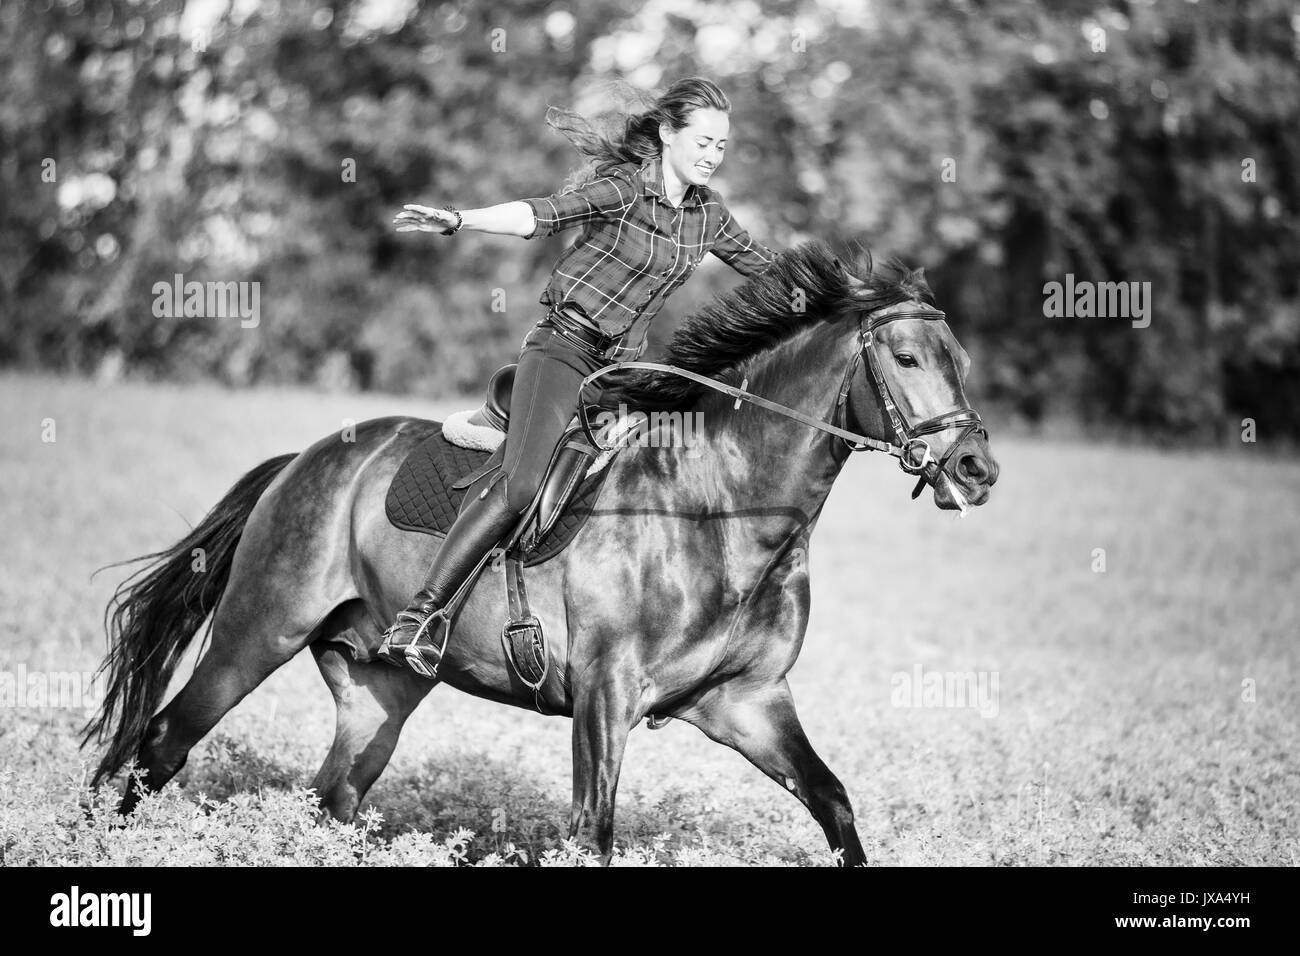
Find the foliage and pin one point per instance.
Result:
(210, 139)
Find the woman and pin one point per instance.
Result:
(648, 218)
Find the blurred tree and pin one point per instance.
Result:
(999, 143)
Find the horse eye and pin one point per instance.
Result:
(905, 359)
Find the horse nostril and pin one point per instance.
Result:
(972, 467)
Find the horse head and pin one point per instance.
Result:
(906, 386)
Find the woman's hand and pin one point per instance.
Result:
(415, 218)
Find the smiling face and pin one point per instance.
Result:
(695, 151)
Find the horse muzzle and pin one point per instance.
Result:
(967, 477)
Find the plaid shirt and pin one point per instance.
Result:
(636, 248)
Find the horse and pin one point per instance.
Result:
(684, 595)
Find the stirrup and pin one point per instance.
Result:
(422, 655)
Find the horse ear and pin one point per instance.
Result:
(854, 284)
(916, 279)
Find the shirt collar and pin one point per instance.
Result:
(652, 176)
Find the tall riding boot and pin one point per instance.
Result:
(417, 636)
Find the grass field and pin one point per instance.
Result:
(1126, 729)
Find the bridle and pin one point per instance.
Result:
(909, 445)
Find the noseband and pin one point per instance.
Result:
(914, 455)
(909, 445)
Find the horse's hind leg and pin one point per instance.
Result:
(373, 702)
(762, 726)
(250, 640)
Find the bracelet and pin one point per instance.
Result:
(460, 221)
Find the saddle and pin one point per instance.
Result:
(432, 485)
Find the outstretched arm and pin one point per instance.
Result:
(604, 197)
(504, 219)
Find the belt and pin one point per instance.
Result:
(582, 333)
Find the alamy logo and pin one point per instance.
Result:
(102, 909)
(657, 429)
(960, 689)
(208, 300)
(80, 690)
(1101, 300)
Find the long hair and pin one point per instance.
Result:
(630, 132)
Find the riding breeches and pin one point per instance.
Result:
(542, 403)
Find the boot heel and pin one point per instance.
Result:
(389, 654)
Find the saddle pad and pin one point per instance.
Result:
(421, 497)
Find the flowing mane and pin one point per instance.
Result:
(761, 313)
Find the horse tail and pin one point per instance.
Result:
(154, 614)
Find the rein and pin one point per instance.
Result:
(909, 447)
(741, 395)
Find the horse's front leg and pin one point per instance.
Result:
(761, 724)
(606, 706)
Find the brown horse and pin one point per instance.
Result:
(685, 594)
